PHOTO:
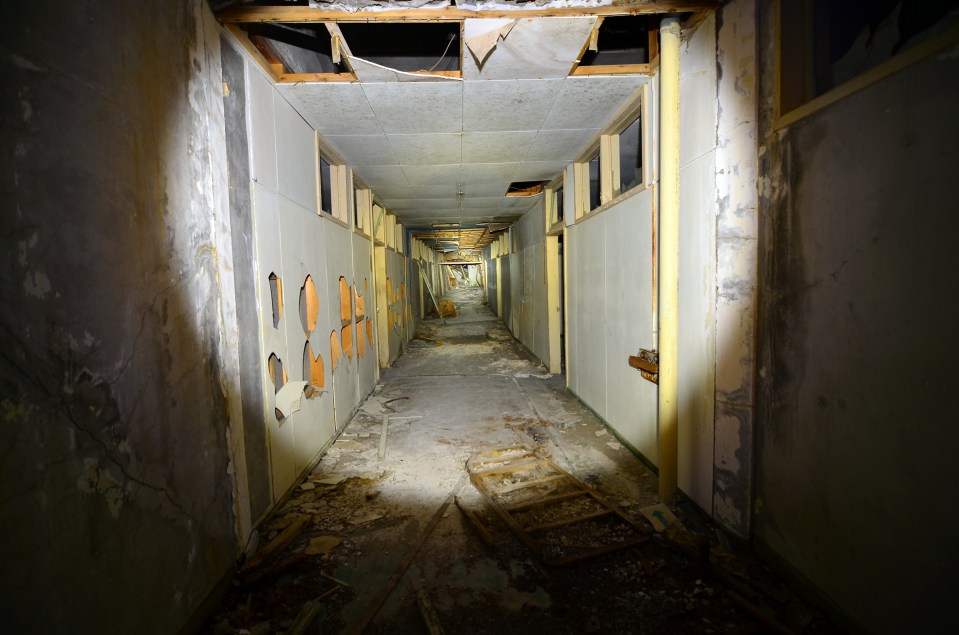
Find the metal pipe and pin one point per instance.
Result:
(669, 34)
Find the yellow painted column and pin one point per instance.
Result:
(669, 34)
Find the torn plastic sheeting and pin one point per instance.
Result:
(483, 44)
(288, 398)
(351, 6)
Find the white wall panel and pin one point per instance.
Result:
(338, 245)
(590, 308)
(300, 232)
(363, 278)
(632, 401)
(295, 155)
(266, 226)
(262, 133)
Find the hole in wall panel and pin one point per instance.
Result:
(313, 371)
(346, 305)
(276, 298)
(335, 352)
(346, 338)
(309, 306)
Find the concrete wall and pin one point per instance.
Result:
(119, 365)
(856, 472)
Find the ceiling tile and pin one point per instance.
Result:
(508, 105)
(409, 107)
(437, 189)
(359, 150)
(539, 170)
(480, 202)
(394, 191)
(589, 102)
(426, 175)
(423, 203)
(555, 44)
(332, 107)
(518, 203)
(492, 147)
(381, 175)
(425, 149)
(486, 188)
(559, 145)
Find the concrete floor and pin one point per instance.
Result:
(463, 388)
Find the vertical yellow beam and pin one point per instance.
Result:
(552, 302)
(668, 255)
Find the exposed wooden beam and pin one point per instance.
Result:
(452, 14)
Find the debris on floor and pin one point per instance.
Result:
(376, 546)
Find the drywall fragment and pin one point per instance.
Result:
(288, 399)
(321, 545)
(482, 44)
(386, 424)
(661, 517)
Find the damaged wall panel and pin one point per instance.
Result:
(364, 312)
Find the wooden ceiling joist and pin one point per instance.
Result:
(305, 14)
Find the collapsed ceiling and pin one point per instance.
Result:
(491, 102)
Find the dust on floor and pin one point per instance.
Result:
(374, 545)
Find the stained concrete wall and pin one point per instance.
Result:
(119, 366)
(856, 472)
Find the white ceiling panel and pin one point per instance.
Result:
(493, 147)
(332, 107)
(410, 107)
(508, 105)
(360, 150)
(479, 172)
(423, 203)
(425, 149)
(559, 145)
(394, 191)
(590, 102)
(533, 49)
(481, 202)
(539, 170)
(486, 188)
(438, 189)
(518, 203)
(420, 175)
(382, 175)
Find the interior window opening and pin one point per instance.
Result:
(620, 40)
(326, 192)
(295, 48)
(558, 198)
(824, 44)
(631, 156)
(594, 182)
(423, 47)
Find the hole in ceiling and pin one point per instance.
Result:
(431, 46)
(526, 188)
(297, 48)
(622, 40)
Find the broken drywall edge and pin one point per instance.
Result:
(482, 45)
(355, 6)
(288, 398)
(385, 73)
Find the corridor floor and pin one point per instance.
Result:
(371, 540)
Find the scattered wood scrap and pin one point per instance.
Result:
(430, 616)
(474, 520)
(554, 514)
(277, 545)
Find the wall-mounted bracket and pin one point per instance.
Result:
(647, 363)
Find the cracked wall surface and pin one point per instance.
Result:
(856, 436)
(115, 489)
